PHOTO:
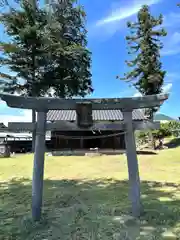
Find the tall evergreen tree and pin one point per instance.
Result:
(25, 52)
(71, 60)
(144, 42)
(47, 50)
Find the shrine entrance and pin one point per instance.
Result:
(61, 140)
(84, 122)
(91, 143)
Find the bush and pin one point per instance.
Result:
(168, 129)
(174, 127)
(142, 137)
(164, 131)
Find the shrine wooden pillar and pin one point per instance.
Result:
(38, 169)
(134, 179)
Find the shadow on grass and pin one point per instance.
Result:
(146, 152)
(174, 143)
(106, 152)
(77, 210)
(140, 152)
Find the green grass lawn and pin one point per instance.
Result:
(86, 198)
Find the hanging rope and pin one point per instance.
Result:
(90, 137)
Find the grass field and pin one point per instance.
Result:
(86, 198)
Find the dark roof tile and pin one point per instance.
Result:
(106, 115)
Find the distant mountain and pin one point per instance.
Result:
(162, 117)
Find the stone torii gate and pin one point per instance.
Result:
(43, 105)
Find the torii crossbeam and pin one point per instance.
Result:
(43, 105)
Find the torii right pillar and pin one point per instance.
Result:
(132, 161)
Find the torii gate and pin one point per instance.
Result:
(42, 105)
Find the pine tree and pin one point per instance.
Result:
(25, 52)
(71, 57)
(144, 42)
(47, 50)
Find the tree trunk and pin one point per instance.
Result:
(152, 140)
(34, 131)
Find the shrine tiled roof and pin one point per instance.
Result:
(98, 115)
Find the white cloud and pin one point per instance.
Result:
(165, 89)
(8, 114)
(172, 42)
(172, 45)
(117, 18)
(175, 39)
(125, 12)
(171, 51)
(25, 117)
(128, 91)
(172, 20)
(171, 77)
(22, 115)
(137, 94)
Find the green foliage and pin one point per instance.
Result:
(171, 128)
(147, 74)
(24, 54)
(163, 132)
(141, 135)
(168, 129)
(174, 127)
(47, 50)
(70, 75)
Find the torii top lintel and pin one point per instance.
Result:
(45, 104)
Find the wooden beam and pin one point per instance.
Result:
(68, 126)
(38, 169)
(146, 125)
(21, 126)
(139, 125)
(42, 103)
(133, 170)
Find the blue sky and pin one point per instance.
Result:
(106, 24)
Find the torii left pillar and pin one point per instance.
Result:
(38, 169)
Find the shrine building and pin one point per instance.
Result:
(107, 119)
